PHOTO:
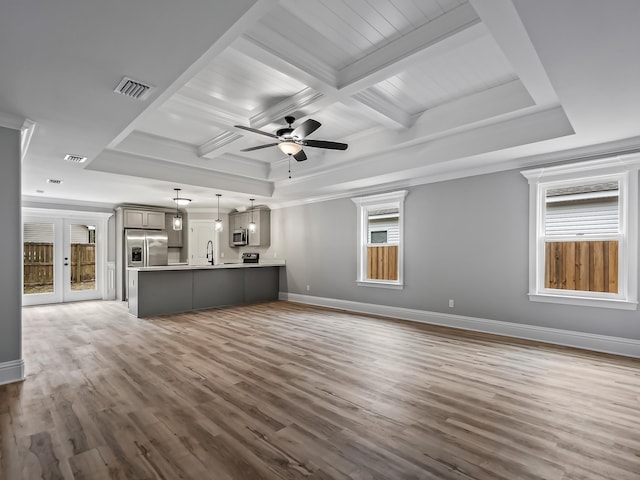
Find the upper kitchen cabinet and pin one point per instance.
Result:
(143, 219)
(261, 237)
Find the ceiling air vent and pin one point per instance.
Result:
(55, 181)
(132, 88)
(75, 158)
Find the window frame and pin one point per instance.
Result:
(364, 205)
(625, 172)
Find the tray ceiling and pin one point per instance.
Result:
(419, 90)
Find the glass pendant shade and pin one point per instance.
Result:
(290, 148)
(177, 220)
(252, 224)
(218, 223)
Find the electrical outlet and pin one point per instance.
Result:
(308, 288)
(222, 254)
(451, 303)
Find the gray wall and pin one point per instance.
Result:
(465, 239)
(10, 239)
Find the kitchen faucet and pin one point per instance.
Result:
(210, 252)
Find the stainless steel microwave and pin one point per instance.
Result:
(240, 237)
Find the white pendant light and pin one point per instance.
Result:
(218, 222)
(252, 224)
(290, 148)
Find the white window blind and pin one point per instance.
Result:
(582, 211)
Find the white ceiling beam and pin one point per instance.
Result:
(217, 143)
(459, 115)
(389, 114)
(278, 111)
(122, 163)
(454, 28)
(271, 46)
(197, 91)
(326, 92)
(196, 110)
(163, 149)
(281, 56)
(504, 24)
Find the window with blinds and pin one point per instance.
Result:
(582, 210)
(581, 230)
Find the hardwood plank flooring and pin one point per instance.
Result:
(285, 391)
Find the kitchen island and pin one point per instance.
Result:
(183, 288)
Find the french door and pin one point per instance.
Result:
(61, 259)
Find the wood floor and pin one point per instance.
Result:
(284, 391)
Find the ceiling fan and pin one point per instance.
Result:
(291, 140)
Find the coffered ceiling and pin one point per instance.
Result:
(420, 90)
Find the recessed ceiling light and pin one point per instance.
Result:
(54, 181)
(75, 158)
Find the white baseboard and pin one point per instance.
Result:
(587, 341)
(11, 372)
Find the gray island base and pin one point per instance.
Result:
(164, 290)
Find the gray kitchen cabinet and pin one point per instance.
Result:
(261, 237)
(262, 218)
(143, 219)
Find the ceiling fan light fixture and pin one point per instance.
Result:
(289, 148)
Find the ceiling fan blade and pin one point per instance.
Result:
(251, 149)
(254, 130)
(325, 144)
(306, 128)
(300, 156)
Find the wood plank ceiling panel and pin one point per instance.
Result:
(244, 81)
(470, 68)
(340, 121)
(165, 123)
(299, 30)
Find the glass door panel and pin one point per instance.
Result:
(81, 272)
(41, 258)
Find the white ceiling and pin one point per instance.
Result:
(421, 90)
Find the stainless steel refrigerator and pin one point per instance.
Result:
(145, 248)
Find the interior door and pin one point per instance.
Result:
(60, 260)
(200, 234)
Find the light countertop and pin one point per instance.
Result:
(265, 263)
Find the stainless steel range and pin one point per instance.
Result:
(250, 257)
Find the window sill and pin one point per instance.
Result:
(379, 284)
(584, 301)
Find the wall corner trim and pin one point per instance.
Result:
(587, 341)
(11, 372)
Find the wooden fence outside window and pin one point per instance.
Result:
(587, 266)
(38, 263)
(382, 262)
